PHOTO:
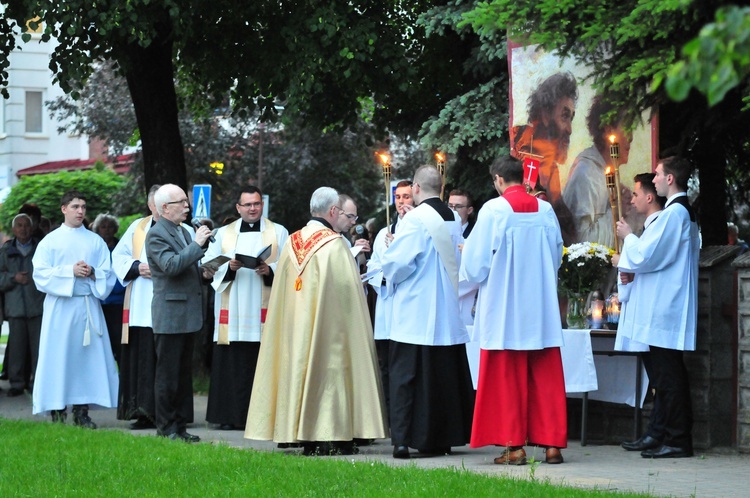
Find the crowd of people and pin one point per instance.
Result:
(316, 349)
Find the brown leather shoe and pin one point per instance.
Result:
(512, 457)
(553, 455)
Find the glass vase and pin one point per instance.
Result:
(576, 315)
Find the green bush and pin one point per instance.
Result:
(98, 185)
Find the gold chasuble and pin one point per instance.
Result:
(317, 375)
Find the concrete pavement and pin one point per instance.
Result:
(716, 473)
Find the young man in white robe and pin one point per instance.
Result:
(402, 198)
(665, 263)
(240, 306)
(514, 253)
(137, 354)
(648, 203)
(432, 397)
(76, 366)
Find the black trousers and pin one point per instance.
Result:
(432, 397)
(672, 396)
(173, 383)
(655, 427)
(23, 350)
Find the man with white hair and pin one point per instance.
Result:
(431, 393)
(316, 382)
(176, 308)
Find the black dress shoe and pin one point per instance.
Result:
(226, 427)
(141, 424)
(643, 443)
(665, 451)
(14, 391)
(183, 436)
(401, 452)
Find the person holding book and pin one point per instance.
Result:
(243, 285)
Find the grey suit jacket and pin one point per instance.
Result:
(177, 306)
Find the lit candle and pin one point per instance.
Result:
(385, 160)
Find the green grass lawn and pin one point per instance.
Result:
(43, 459)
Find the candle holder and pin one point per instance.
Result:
(385, 161)
(440, 163)
(611, 179)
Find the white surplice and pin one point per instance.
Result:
(587, 196)
(75, 365)
(425, 302)
(627, 294)
(665, 262)
(384, 304)
(246, 289)
(143, 288)
(497, 257)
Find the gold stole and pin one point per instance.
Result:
(304, 249)
(229, 244)
(139, 238)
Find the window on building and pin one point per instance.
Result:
(34, 112)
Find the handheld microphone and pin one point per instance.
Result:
(197, 224)
(360, 232)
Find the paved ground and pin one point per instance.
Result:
(717, 473)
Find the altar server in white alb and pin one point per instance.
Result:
(404, 202)
(432, 397)
(631, 293)
(240, 307)
(665, 263)
(514, 253)
(76, 366)
(137, 354)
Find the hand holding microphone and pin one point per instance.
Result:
(202, 232)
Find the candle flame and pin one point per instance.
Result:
(608, 171)
(612, 139)
(440, 156)
(384, 158)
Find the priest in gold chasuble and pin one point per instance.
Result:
(317, 382)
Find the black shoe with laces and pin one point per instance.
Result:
(81, 418)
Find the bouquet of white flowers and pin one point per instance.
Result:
(584, 266)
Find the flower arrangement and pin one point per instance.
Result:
(584, 266)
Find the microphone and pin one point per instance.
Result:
(197, 224)
(360, 232)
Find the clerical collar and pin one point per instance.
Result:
(249, 227)
(322, 221)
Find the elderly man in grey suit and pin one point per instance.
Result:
(177, 309)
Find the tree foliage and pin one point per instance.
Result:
(716, 61)
(319, 59)
(98, 185)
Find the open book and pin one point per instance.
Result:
(250, 262)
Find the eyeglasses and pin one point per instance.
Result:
(456, 206)
(183, 201)
(352, 217)
(251, 205)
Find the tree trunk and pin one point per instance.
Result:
(150, 76)
(712, 213)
